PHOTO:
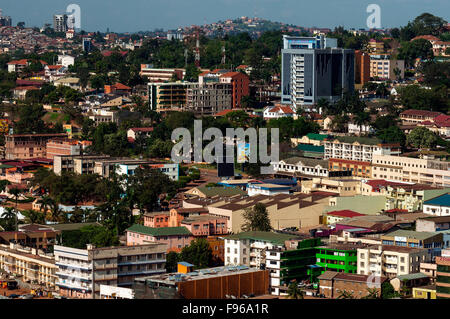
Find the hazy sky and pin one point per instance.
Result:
(137, 15)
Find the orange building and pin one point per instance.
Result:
(240, 84)
(117, 88)
(62, 146)
(157, 219)
(217, 246)
(26, 146)
(206, 225)
(362, 67)
(358, 168)
(178, 214)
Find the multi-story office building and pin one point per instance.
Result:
(26, 146)
(358, 148)
(167, 96)
(383, 67)
(408, 238)
(103, 165)
(161, 75)
(410, 196)
(391, 261)
(338, 257)
(82, 271)
(208, 98)
(443, 275)
(29, 263)
(362, 67)
(314, 68)
(410, 169)
(62, 146)
(60, 22)
(287, 256)
(87, 45)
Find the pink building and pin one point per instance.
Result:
(206, 225)
(175, 237)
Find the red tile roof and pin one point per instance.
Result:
(344, 213)
(379, 183)
(421, 113)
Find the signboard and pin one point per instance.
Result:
(402, 239)
(243, 152)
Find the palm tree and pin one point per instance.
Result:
(372, 294)
(33, 216)
(55, 212)
(45, 203)
(345, 295)
(9, 216)
(15, 192)
(294, 292)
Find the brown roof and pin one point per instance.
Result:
(356, 277)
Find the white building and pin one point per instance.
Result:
(390, 261)
(81, 271)
(66, 60)
(275, 112)
(302, 165)
(438, 206)
(358, 148)
(267, 189)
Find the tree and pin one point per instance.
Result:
(372, 293)
(197, 253)
(294, 291)
(421, 137)
(387, 290)
(392, 134)
(346, 295)
(256, 219)
(33, 216)
(8, 219)
(16, 192)
(172, 259)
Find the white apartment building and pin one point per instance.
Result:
(383, 67)
(358, 148)
(408, 169)
(390, 261)
(82, 271)
(302, 165)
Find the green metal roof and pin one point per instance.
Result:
(160, 231)
(6, 166)
(272, 237)
(412, 276)
(317, 137)
(220, 191)
(310, 148)
(312, 162)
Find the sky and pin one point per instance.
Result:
(147, 15)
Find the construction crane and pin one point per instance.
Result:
(224, 56)
(197, 49)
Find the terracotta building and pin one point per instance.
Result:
(362, 67)
(26, 146)
(156, 219)
(62, 146)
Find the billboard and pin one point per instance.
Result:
(243, 152)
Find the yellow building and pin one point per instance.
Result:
(425, 292)
(29, 264)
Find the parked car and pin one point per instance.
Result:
(27, 296)
(13, 296)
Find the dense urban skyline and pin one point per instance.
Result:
(143, 15)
